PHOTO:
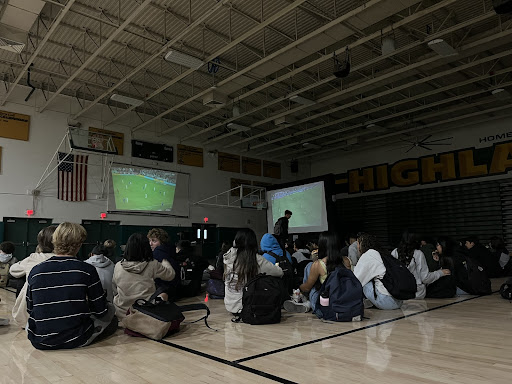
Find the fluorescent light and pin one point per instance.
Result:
(311, 146)
(301, 100)
(183, 59)
(442, 48)
(126, 100)
(501, 94)
(238, 127)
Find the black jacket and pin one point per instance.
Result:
(281, 227)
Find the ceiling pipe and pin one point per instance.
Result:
(29, 83)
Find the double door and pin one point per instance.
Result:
(23, 232)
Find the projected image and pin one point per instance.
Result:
(307, 202)
(143, 189)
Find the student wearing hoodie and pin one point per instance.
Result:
(162, 250)
(241, 264)
(134, 276)
(269, 245)
(105, 268)
(44, 251)
(408, 252)
(370, 270)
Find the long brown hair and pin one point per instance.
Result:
(246, 264)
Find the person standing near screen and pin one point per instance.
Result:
(281, 228)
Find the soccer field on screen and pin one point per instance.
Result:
(306, 206)
(141, 193)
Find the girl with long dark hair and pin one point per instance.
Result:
(408, 252)
(315, 273)
(241, 263)
(370, 270)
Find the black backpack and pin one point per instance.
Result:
(288, 272)
(506, 290)
(478, 282)
(278, 228)
(345, 294)
(398, 280)
(261, 300)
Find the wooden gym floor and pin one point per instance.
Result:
(461, 340)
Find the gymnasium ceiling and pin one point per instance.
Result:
(259, 53)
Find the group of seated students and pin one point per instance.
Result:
(67, 303)
(439, 267)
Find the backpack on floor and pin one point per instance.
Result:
(478, 282)
(261, 300)
(345, 294)
(444, 288)
(215, 289)
(506, 290)
(155, 320)
(288, 278)
(398, 280)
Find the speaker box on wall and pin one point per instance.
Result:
(294, 166)
(502, 6)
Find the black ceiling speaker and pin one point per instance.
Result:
(502, 6)
(342, 69)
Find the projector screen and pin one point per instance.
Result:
(307, 203)
(143, 190)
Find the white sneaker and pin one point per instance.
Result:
(292, 306)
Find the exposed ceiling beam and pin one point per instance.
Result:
(157, 54)
(39, 48)
(321, 60)
(100, 49)
(221, 51)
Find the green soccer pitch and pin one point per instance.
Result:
(306, 207)
(139, 193)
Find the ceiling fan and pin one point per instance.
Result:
(424, 143)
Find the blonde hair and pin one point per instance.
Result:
(68, 238)
(159, 234)
(109, 243)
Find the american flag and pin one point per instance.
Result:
(72, 177)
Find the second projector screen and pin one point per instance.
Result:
(307, 203)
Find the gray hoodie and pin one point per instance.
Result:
(105, 268)
(136, 280)
(233, 297)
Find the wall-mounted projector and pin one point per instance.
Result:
(180, 58)
(126, 100)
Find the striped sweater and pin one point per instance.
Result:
(62, 295)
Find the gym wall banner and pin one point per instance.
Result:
(449, 166)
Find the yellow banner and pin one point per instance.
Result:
(14, 125)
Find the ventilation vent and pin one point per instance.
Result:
(214, 99)
(11, 45)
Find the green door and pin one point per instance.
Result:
(97, 232)
(23, 233)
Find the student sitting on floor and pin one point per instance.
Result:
(65, 300)
(241, 264)
(300, 258)
(329, 257)
(162, 250)
(409, 254)
(105, 268)
(271, 248)
(370, 270)
(134, 277)
(21, 269)
(6, 260)
(501, 254)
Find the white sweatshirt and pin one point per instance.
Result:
(419, 268)
(233, 297)
(371, 268)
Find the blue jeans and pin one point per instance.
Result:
(461, 292)
(382, 301)
(314, 293)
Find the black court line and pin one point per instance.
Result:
(8, 290)
(230, 363)
(351, 331)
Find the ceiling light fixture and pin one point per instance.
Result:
(126, 100)
(238, 127)
(183, 59)
(301, 100)
(442, 48)
(376, 128)
(501, 94)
